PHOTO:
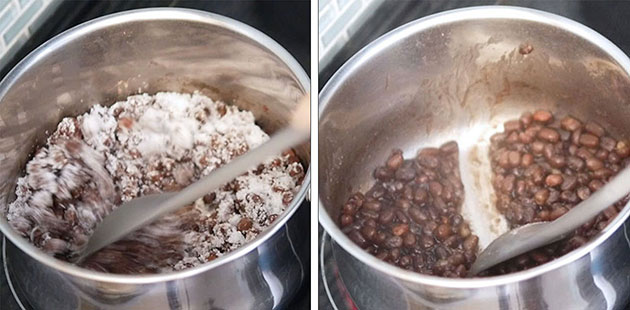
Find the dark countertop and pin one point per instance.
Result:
(271, 18)
(609, 18)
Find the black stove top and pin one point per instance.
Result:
(609, 18)
(269, 17)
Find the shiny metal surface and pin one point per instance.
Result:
(342, 289)
(452, 76)
(154, 50)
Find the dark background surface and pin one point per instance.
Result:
(609, 18)
(287, 22)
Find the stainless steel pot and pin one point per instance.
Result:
(154, 50)
(442, 77)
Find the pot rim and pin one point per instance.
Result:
(178, 14)
(428, 22)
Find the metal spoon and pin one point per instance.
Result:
(138, 212)
(535, 235)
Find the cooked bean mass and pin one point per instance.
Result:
(542, 166)
(410, 217)
(567, 161)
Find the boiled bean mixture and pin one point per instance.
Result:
(410, 217)
(541, 168)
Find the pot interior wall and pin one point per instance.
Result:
(424, 87)
(114, 60)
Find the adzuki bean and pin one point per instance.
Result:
(570, 161)
(417, 225)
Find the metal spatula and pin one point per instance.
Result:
(138, 212)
